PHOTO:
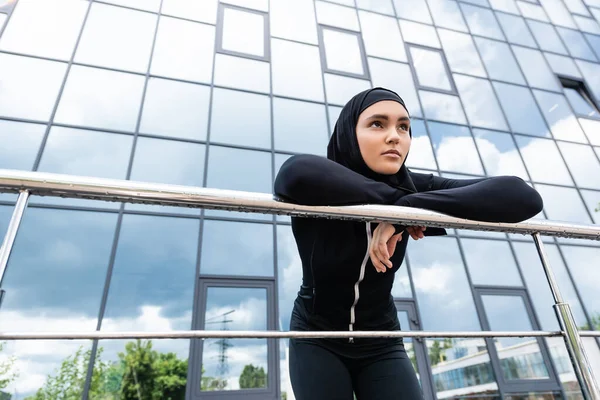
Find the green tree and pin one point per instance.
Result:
(595, 324)
(171, 377)
(253, 377)
(436, 352)
(8, 372)
(139, 377)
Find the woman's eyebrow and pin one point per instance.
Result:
(385, 117)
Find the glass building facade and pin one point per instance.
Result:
(219, 94)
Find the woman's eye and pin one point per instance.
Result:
(404, 127)
(377, 124)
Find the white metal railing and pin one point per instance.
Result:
(44, 184)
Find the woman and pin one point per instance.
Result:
(349, 267)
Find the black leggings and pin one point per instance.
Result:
(317, 373)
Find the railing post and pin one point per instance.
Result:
(581, 364)
(11, 234)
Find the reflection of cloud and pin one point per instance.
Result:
(421, 155)
(498, 162)
(290, 274)
(238, 356)
(434, 279)
(459, 154)
(250, 314)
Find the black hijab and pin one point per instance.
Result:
(343, 146)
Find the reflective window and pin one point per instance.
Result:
(539, 167)
(521, 110)
(114, 105)
(20, 144)
(243, 309)
(334, 114)
(491, 262)
(516, 30)
(559, 116)
(499, 61)
(340, 89)
(343, 52)
(562, 65)
(33, 28)
(414, 32)
(417, 11)
(253, 245)
(547, 37)
(175, 109)
(441, 285)
(532, 11)
(334, 15)
(381, 36)
(508, 6)
(289, 276)
(293, 20)
(593, 41)
(454, 148)
(421, 152)
(29, 86)
(260, 5)
(481, 21)
(401, 287)
(243, 32)
(203, 11)
(581, 261)
(577, 7)
(381, 6)
(587, 25)
(125, 45)
(591, 73)
(442, 107)
(430, 68)
(536, 71)
(592, 201)
(558, 13)
(296, 70)
(499, 153)
(591, 129)
(576, 44)
(148, 5)
(2, 20)
(300, 126)
(240, 118)
(396, 77)
(480, 102)
(563, 204)
(279, 159)
(582, 163)
(241, 73)
(183, 50)
(446, 14)
(461, 53)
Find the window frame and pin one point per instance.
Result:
(221, 24)
(418, 85)
(361, 47)
(581, 87)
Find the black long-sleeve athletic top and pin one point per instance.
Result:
(347, 291)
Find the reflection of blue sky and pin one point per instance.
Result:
(21, 150)
(499, 60)
(396, 77)
(521, 110)
(342, 51)
(550, 168)
(381, 36)
(582, 163)
(559, 116)
(558, 13)
(418, 10)
(421, 152)
(532, 11)
(536, 70)
(415, 32)
(299, 126)
(455, 148)
(516, 30)
(336, 15)
(583, 264)
(241, 73)
(547, 37)
(430, 69)
(480, 102)
(591, 73)
(461, 53)
(505, 5)
(499, 153)
(490, 262)
(442, 107)
(556, 200)
(481, 21)
(289, 274)
(243, 32)
(446, 14)
(340, 89)
(592, 200)
(576, 43)
(562, 65)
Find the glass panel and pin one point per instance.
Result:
(480, 102)
(537, 284)
(516, 30)
(396, 77)
(536, 71)
(521, 110)
(499, 60)
(455, 148)
(33, 28)
(261, 5)
(442, 107)
(592, 130)
(562, 65)
(577, 7)
(491, 262)
(564, 368)
(592, 200)
(279, 159)
(243, 32)
(547, 37)
(300, 126)
(233, 364)
(125, 45)
(340, 89)
(241, 73)
(559, 116)
(203, 11)
(581, 261)
(148, 5)
(289, 275)
(593, 41)
(580, 105)
(446, 14)
(532, 11)
(419, 33)
(534, 396)
(342, 52)
(20, 144)
(481, 21)
(253, 244)
(555, 198)
(499, 153)
(582, 163)
(401, 287)
(334, 114)
(587, 25)
(175, 109)
(296, 70)
(381, 6)
(539, 168)
(240, 118)
(461, 53)
(558, 13)
(418, 10)
(591, 73)
(421, 152)
(508, 6)
(29, 86)
(576, 44)
(293, 20)
(114, 105)
(183, 50)
(2, 20)
(381, 36)
(520, 358)
(334, 15)
(430, 69)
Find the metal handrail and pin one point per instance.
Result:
(44, 184)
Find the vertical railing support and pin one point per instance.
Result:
(581, 364)
(11, 234)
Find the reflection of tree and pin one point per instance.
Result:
(436, 352)
(253, 377)
(7, 370)
(595, 324)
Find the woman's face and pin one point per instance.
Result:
(383, 136)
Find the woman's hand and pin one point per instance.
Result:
(383, 244)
